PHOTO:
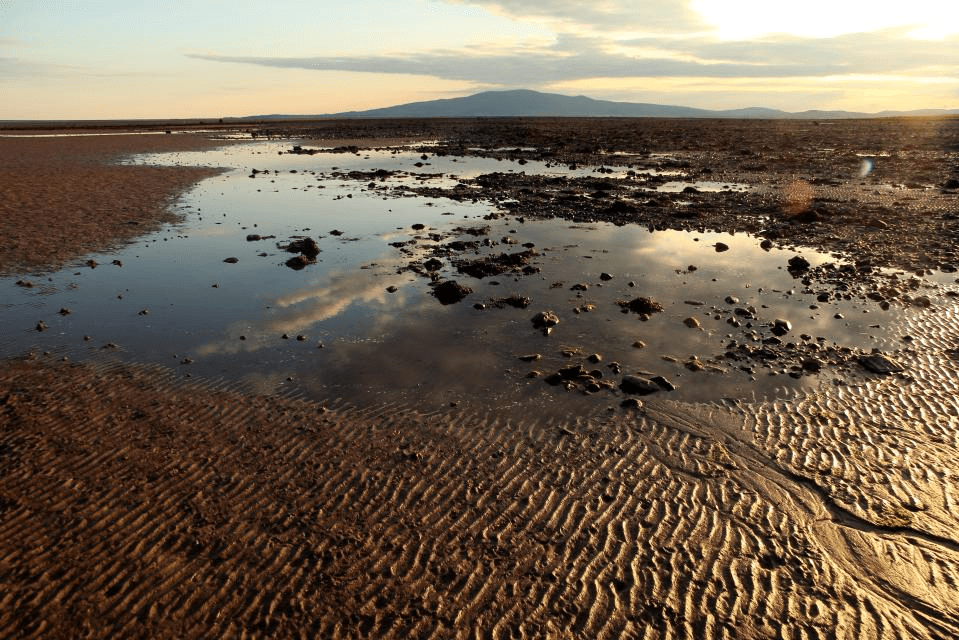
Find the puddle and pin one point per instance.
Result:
(360, 325)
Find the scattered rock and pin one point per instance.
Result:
(645, 306)
(691, 322)
(878, 363)
(721, 246)
(92, 263)
(498, 265)
(781, 327)
(65, 312)
(118, 263)
(605, 276)
(798, 264)
(304, 246)
(42, 326)
(514, 300)
(298, 262)
(637, 385)
(663, 383)
(573, 371)
(433, 264)
(450, 292)
(632, 403)
(545, 320)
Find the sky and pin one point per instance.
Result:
(66, 59)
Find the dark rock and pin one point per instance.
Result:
(766, 245)
(781, 327)
(305, 246)
(450, 292)
(605, 276)
(952, 183)
(638, 386)
(532, 357)
(798, 264)
(721, 246)
(253, 237)
(42, 326)
(232, 260)
(418, 226)
(545, 320)
(811, 364)
(392, 289)
(118, 263)
(336, 232)
(878, 363)
(515, 300)
(433, 264)
(298, 262)
(663, 382)
(632, 403)
(573, 371)
(65, 312)
(641, 305)
(496, 265)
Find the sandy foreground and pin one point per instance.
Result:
(137, 504)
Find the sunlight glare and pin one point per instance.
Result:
(743, 19)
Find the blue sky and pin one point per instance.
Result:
(135, 59)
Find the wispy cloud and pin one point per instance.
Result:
(575, 58)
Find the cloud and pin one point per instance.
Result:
(662, 16)
(573, 57)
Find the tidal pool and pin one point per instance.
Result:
(362, 326)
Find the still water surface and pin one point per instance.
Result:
(359, 326)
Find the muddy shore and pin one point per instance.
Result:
(136, 504)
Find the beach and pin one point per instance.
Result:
(137, 502)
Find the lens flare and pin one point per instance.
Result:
(866, 167)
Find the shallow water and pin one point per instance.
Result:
(334, 330)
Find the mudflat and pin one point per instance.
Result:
(137, 503)
(67, 195)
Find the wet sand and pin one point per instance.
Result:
(66, 196)
(137, 504)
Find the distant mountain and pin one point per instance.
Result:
(523, 102)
